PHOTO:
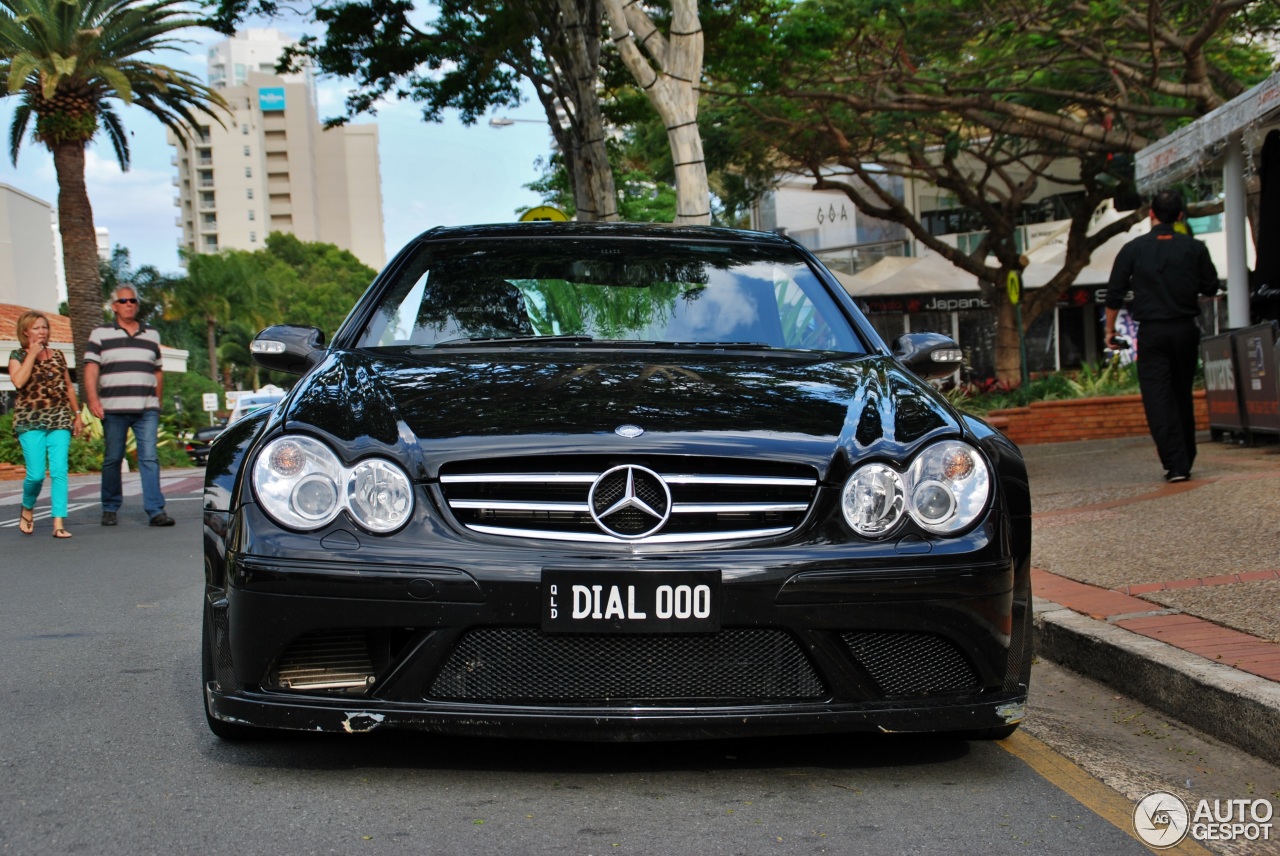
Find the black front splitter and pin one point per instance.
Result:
(605, 725)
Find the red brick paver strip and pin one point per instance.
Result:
(1204, 638)
(1214, 642)
(1223, 580)
(1082, 597)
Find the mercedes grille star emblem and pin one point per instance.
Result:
(630, 502)
(628, 431)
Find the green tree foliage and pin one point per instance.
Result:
(217, 289)
(228, 297)
(471, 56)
(986, 100)
(188, 387)
(68, 62)
(313, 284)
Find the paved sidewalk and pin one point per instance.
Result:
(1169, 593)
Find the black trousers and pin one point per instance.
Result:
(1168, 352)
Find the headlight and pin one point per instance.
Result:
(379, 495)
(948, 485)
(944, 490)
(301, 484)
(873, 499)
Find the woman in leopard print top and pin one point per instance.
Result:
(46, 416)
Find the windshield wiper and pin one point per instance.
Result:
(724, 346)
(539, 341)
(503, 341)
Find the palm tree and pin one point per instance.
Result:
(68, 60)
(218, 289)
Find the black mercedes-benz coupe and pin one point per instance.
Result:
(613, 482)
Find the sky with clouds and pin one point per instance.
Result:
(432, 174)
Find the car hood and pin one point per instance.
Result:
(822, 412)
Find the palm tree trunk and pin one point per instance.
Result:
(79, 247)
(211, 340)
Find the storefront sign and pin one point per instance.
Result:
(1259, 391)
(1220, 387)
(954, 302)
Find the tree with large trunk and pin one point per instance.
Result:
(992, 102)
(669, 71)
(67, 61)
(471, 57)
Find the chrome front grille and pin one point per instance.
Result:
(710, 499)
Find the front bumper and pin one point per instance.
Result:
(970, 607)
(606, 724)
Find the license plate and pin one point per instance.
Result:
(630, 601)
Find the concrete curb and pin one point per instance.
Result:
(1235, 707)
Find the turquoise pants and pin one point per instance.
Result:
(41, 448)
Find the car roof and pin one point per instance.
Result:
(545, 229)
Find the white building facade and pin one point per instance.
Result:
(273, 167)
(30, 255)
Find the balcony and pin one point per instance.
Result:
(277, 163)
(275, 142)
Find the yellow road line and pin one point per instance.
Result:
(1107, 804)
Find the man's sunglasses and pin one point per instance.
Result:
(126, 300)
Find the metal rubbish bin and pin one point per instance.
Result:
(1258, 377)
(1221, 389)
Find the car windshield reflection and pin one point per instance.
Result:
(604, 293)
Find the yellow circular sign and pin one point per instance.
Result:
(1014, 287)
(544, 212)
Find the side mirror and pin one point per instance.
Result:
(929, 355)
(285, 348)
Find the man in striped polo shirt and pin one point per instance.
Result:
(123, 382)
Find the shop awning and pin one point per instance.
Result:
(901, 276)
(1199, 144)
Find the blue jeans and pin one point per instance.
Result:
(114, 428)
(39, 447)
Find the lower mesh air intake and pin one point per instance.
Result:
(911, 664)
(525, 665)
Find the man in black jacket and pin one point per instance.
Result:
(1167, 271)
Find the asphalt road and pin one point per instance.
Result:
(104, 750)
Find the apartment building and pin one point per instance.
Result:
(271, 166)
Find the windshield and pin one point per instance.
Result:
(531, 292)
